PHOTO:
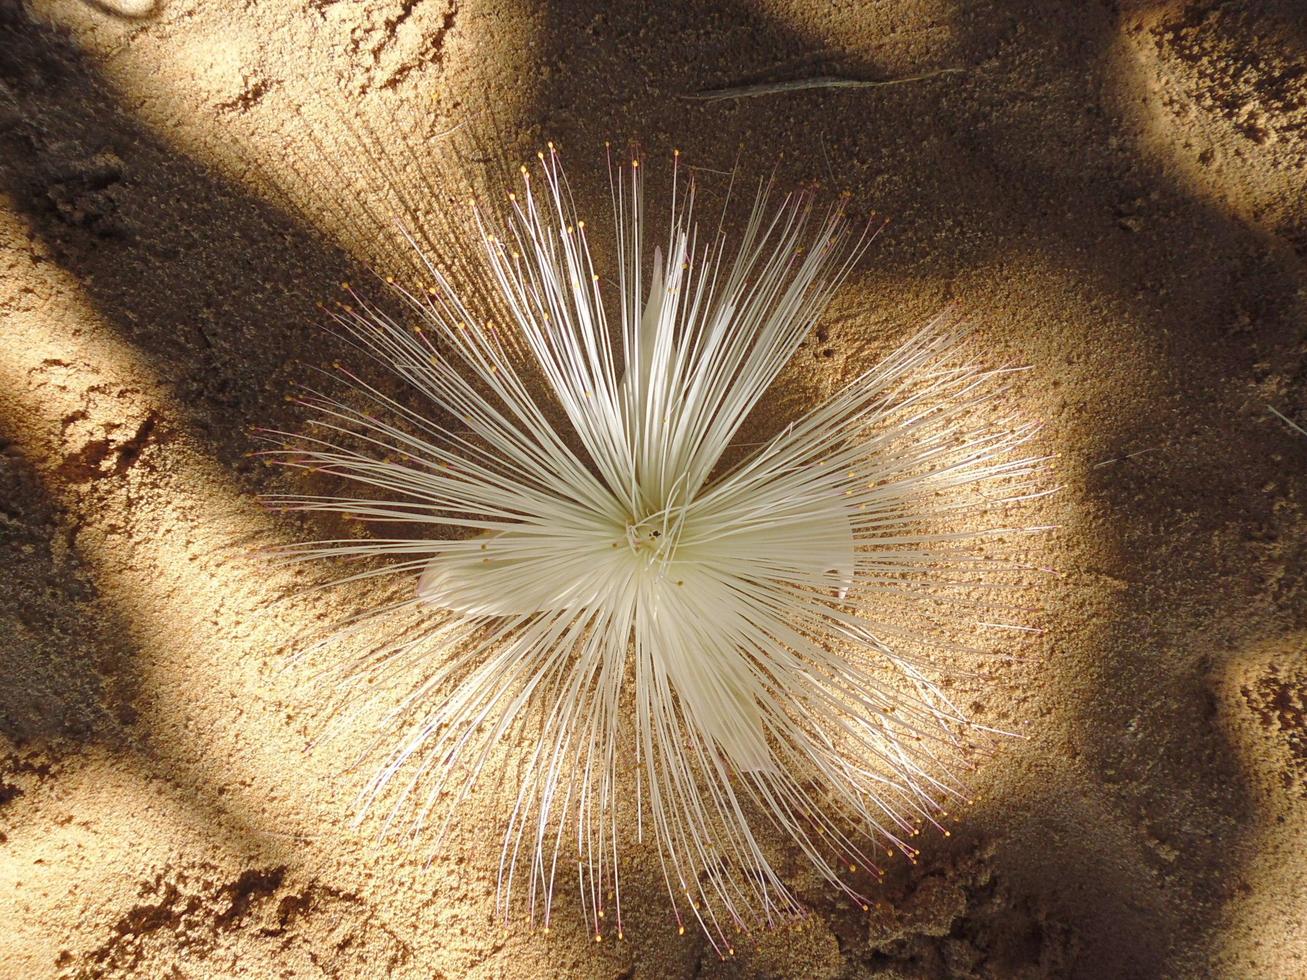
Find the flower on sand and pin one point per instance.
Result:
(704, 637)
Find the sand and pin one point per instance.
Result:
(1113, 193)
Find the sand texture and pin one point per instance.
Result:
(1113, 192)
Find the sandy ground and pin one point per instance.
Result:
(1113, 192)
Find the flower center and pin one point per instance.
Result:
(652, 538)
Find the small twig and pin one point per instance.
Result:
(826, 156)
(798, 84)
(451, 131)
(1286, 420)
(1118, 459)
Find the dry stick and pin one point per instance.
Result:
(1117, 459)
(798, 84)
(1286, 420)
(830, 171)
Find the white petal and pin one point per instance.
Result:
(814, 543)
(498, 581)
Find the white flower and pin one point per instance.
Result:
(705, 641)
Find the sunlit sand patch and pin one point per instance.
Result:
(122, 845)
(350, 142)
(169, 541)
(173, 546)
(1262, 708)
(1221, 123)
